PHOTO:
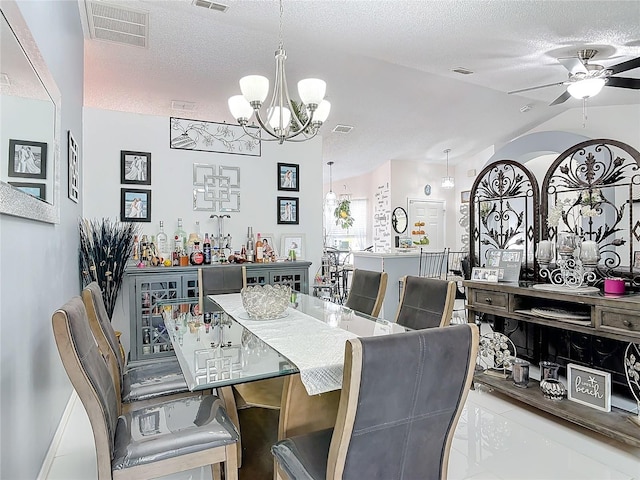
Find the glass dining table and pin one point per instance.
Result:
(219, 347)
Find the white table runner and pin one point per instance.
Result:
(313, 346)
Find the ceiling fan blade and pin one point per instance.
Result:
(561, 99)
(624, 66)
(573, 64)
(535, 88)
(623, 82)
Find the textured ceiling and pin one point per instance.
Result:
(387, 65)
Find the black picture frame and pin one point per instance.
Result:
(37, 190)
(288, 210)
(26, 155)
(135, 167)
(140, 213)
(289, 177)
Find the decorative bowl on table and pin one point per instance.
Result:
(266, 302)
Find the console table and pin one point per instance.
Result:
(147, 286)
(616, 318)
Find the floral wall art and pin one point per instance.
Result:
(213, 137)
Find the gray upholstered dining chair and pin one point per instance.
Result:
(426, 302)
(220, 279)
(139, 383)
(390, 425)
(160, 439)
(367, 291)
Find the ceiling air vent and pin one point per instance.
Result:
(342, 128)
(182, 105)
(210, 5)
(462, 71)
(113, 23)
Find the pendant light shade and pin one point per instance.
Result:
(447, 182)
(331, 199)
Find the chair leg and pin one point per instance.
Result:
(226, 394)
(216, 473)
(231, 465)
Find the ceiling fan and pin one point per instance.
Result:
(587, 79)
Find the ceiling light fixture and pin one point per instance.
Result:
(285, 120)
(586, 88)
(330, 199)
(447, 182)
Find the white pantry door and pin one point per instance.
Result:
(431, 212)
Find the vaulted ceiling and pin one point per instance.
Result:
(388, 66)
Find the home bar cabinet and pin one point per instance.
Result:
(149, 285)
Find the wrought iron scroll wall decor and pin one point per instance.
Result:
(588, 193)
(503, 213)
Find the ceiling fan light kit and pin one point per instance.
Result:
(589, 87)
(586, 79)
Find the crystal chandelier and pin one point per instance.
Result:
(330, 199)
(447, 182)
(285, 120)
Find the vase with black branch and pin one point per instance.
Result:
(105, 247)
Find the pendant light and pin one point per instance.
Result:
(447, 182)
(330, 199)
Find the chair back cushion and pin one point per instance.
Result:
(402, 396)
(425, 303)
(367, 291)
(100, 323)
(86, 367)
(221, 279)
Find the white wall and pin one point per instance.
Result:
(106, 133)
(39, 270)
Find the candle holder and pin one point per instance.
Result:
(575, 264)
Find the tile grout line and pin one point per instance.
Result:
(57, 438)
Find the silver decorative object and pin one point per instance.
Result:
(266, 302)
(575, 264)
(553, 389)
(497, 352)
(216, 189)
(632, 372)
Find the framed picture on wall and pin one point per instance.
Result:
(288, 208)
(74, 173)
(465, 196)
(27, 159)
(135, 167)
(135, 205)
(37, 190)
(288, 177)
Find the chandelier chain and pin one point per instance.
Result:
(281, 30)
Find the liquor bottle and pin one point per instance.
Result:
(144, 249)
(206, 249)
(146, 337)
(136, 248)
(162, 243)
(250, 245)
(196, 257)
(259, 250)
(180, 237)
(193, 238)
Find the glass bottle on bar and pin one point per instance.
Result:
(206, 249)
(259, 250)
(180, 237)
(250, 245)
(162, 243)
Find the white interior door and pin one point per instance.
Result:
(431, 213)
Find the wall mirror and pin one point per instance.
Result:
(399, 220)
(29, 124)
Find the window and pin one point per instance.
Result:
(355, 237)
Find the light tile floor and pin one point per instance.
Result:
(495, 439)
